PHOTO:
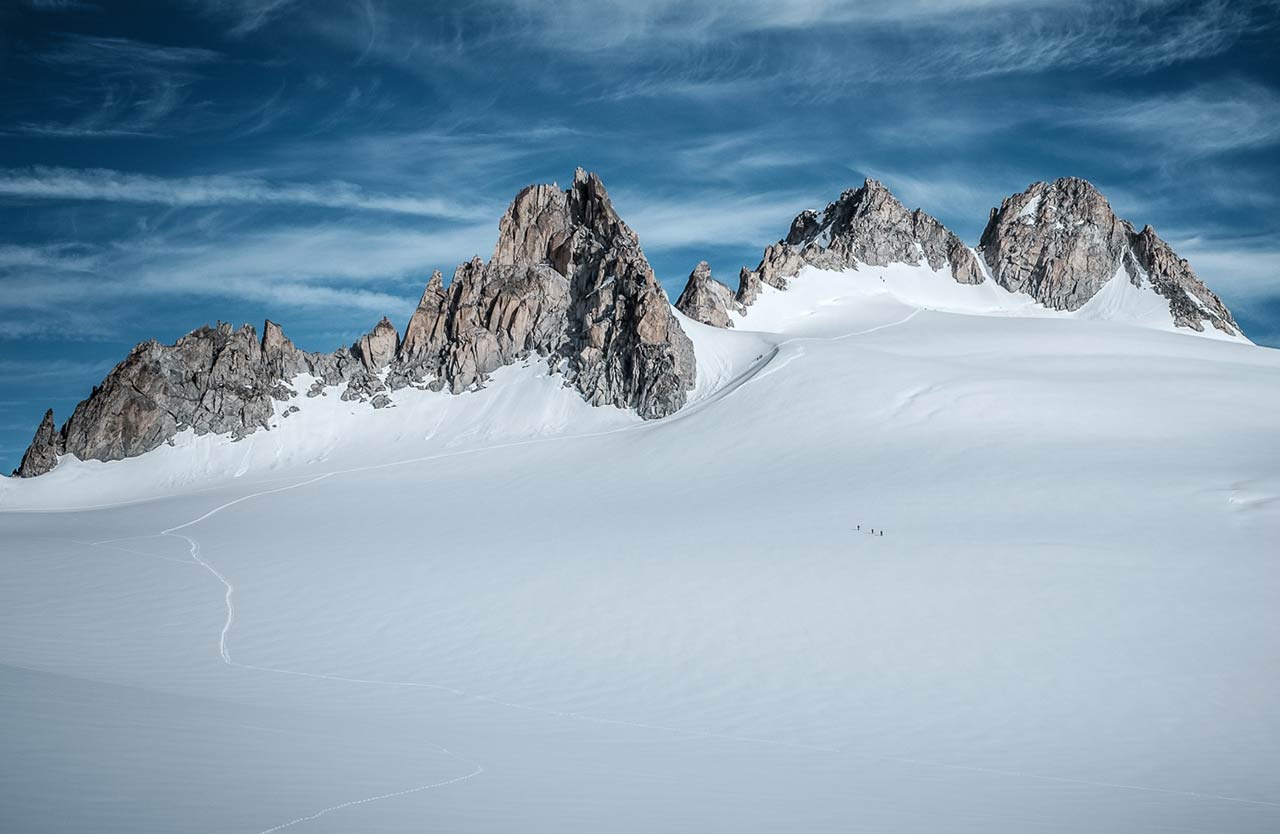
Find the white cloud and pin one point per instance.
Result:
(709, 219)
(69, 292)
(120, 186)
(119, 86)
(245, 16)
(52, 369)
(1237, 271)
(1206, 119)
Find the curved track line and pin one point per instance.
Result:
(752, 373)
(224, 651)
(478, 770)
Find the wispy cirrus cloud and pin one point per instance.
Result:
(122, 55)
(1206, 119)
(98, 184)
(1242, 270)
(52, 369)
(244, 16)
(711, 218)
(122, 87)
(64, 291)
(712, 49)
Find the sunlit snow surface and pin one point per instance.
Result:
(507, 611)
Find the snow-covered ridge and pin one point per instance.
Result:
(529, 404)
(569, 289)
(605, 623)
(1058, 244)
(567, 282)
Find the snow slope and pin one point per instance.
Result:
(507, 611)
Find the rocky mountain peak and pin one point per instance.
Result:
(1061, 243)
(707, 300)
(379, 346)
(569, 282)
(866, 225)
(42, 455)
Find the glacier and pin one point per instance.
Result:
(508, 610)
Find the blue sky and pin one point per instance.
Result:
(163, 165)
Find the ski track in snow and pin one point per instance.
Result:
(755, 372)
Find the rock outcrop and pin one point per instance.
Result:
(1058, 242)
(569, 282)
(866, 225)
(378, 348)
(1061, 243)
(213, 380)
(707, 300)
(1191, 303)
(42, 455)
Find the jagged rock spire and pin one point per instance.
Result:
(1060, 242)
(869, 225)
(379, 346)
(568, 281)
(865, 225)
(707, 300)
(1190, 302)
(42, 455)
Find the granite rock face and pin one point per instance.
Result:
(1058, 242)
(214, 379)
(569, 282)
(42, 455)
(1061, 243)
(379, 346)
(865, 225)
(1191, 303)
(707, 300)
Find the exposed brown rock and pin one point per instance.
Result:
(567, 281)
(42, 455)
(1060, 242)
(707, 300)
(865, 225)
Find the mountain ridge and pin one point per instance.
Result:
(1057, 242)
(568, 283)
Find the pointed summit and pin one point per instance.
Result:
(1060, 242)
(42, 455)
(866, 225)
(379, 346)
(567, 281)
(707, 300)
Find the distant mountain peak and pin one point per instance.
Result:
(567, 281)
(1059, 242)
(866, 225)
